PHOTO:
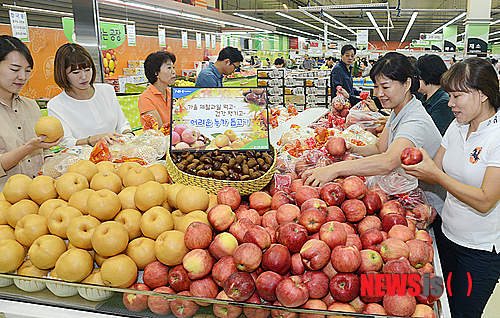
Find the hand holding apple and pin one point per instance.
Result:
(320, 176)
(426, 170)
(411, 156)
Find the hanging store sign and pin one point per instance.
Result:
(477, 37)
(207, 41)
(131, 40)
(162, 41)
(112, 34)
(362, 37)
(293, 43)
(184, 36)
(214, 42)
(19, 25)
(198, 41)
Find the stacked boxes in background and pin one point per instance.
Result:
(316, 90)
(295, 92)
(132, 74)
(273, 80)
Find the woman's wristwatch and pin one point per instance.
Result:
(88, 141)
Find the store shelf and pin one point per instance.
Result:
(303, 119)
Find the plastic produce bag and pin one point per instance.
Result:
(396, 182)
(339, 102)
(418, 209)
(363, 118)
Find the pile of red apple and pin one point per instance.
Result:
(302, 247)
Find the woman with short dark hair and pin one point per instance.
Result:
(88, 111)
(409, 125)
(21, 151)
(156, 100)
(429, 68)
(467, 165)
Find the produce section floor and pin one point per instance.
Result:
(492, 309)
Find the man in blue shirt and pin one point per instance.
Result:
(341, 75)
(228, 61)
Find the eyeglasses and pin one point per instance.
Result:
(236, 68)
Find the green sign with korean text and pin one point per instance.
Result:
(112, 34)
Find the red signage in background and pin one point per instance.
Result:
(293, 43)
(314, 44)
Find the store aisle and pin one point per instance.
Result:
(492, 309)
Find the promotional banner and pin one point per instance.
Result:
(293, 43)
(184, 36)
(207, 41)
(214, 41)
(450, 38)
(131, 41)
(19, 25)
(228, 118)
(162, 42)
(198, 41)
(112, 34)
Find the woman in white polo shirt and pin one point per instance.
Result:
(467, 165)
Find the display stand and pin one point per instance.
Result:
(303, 119)
(441, 307)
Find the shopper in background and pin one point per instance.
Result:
(356, 66)
(467, 165)
(366, 67)
(257, 62)
(268, 62)
(328, 64)
(409, 125)
(21, 151)
(342, 75)
(156, 100)
(88, 111)
(308, 63)
(453, 60)
(229, 60)
(279, 63)
(495, 65)
(429, 68)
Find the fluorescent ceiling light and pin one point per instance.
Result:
(455, 19)
(408, 27)
(372, 20)
(298, 20)
(495, 22)
(492, 40)
(317, 19)
(272, 23)
(148, 7)
(309, 25)
(339, 23)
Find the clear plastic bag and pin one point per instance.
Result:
(396, 182)
(418, 209)
(339, 102)
(362, 117)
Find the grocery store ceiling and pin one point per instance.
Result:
(353, 13)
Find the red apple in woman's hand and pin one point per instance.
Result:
(411, 156)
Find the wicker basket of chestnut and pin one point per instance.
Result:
(248, 171)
